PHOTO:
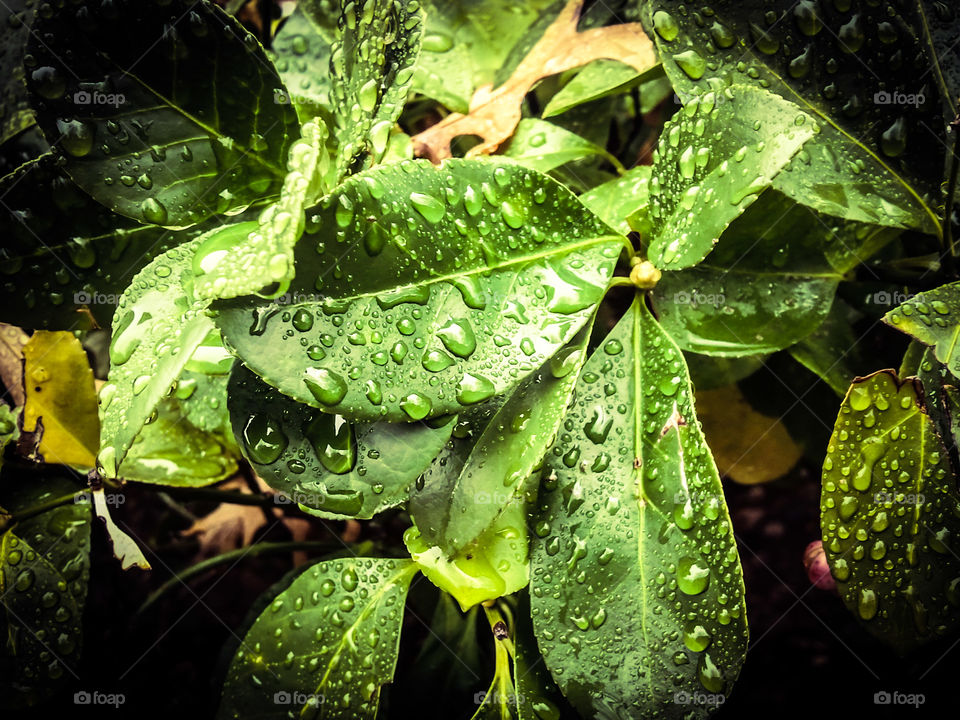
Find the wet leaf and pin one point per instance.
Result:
(508, 451)
(495, 113)
(494, 565)
(371, 68)
(225, 269)
(44, 570)
(939, 25)
(16, 17)
(140, 132)
(430, 279)
(714, 159)
(301, 53)
(635, 562)
(543, 146)
(889, 514)
(748, 446)
(858, 68)
(9, 427)
(933, 318)
(60, 399)
(331, 636)
(327, 465)
(599, 79)
(616, 200)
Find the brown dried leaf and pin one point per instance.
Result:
(495, 113)
(229, 526)
(12, 340)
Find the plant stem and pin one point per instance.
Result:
(251, 551)
(44, 506)
(950, 248)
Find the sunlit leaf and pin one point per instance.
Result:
(543, 146)
(933, 318)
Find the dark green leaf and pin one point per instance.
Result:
(889, 514)
(635, 565)
(857, 67)
(165, 111)
(15, 116)
(826, 351)
(325, 646)
(44, 570)
(371, 67)
(432, 279)
(939, 26)
(715, 157)
(326, 464)
(933, 318)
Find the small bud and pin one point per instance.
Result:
(644, 275)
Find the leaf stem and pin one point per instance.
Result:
(262, 548)
(948, 243)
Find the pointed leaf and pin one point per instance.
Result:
(888, 514)
(431, 278)
(301, 53)
(371, 67)
(856, 67)
(715, 157)
(618, 199)
(543, 146)
(145, 133)
(599, 79)
(61, 399)
(44, 570)
(325, 646)
(329, 466)
(939, 25)
(635, 565)
(933, 318)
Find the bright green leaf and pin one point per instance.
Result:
(889, 514)
(853, 66)
(616, 200)
(371, 71)
(543, 146)
(164, 123)
(329, 466)
(933, 318)
(431, 279)
(635, 564)
(715, 157)
(325, 646)
(599, 79)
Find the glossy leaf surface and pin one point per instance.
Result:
(933, 318)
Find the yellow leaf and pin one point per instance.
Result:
(60, 395)
(748, 447)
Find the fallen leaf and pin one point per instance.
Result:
(749, 447)
(60, 396)
(230, 526)
(496, 112)
(12, 340)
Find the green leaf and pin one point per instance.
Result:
(825, 352)
(331, 636)
(635, 564)
(465, 45)
(616, 200)
(164, 122)
(44, 570)
(16, 16)
(599, 79)
(874, 160)
(494, 565)
(543, 146)
(431, 279)
(933, 318)
(329, 466)
(939, 25)
(509, 450)
(371, 70)
(265, 255)
(889, 514)
(715, 157)
(537, 695)
(768, 284)
(171, 450)
(64, 252)
(157, 328)
(709, 372)
(301, 53)
(9, 427)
